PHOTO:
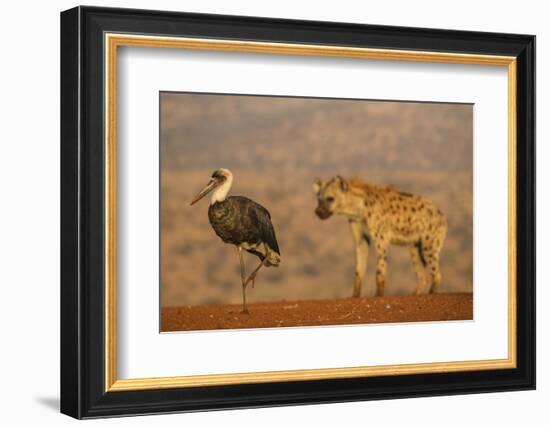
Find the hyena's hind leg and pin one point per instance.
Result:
(419, 264)
(381, 265)
(431, 248)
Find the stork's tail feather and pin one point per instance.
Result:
(273, 259)
(264, 252)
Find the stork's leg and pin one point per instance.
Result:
(243, 280)
(255, 272)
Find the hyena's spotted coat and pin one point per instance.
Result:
(382, 215)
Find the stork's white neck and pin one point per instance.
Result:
(220, 193)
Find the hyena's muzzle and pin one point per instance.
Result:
(323, 210)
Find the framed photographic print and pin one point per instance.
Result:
(261, 212)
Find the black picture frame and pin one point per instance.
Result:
(83, 392)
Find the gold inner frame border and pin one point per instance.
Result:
(113, 40)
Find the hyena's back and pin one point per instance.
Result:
(401, 217)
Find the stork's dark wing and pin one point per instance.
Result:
(262, 220)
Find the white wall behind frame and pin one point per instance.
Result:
(29, 222)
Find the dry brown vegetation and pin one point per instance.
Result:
(275, 147)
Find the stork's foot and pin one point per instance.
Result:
(252, 277)
(245, 311)
(251, 280)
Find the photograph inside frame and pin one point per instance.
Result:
(297, 211)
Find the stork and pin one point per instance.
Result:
(242, 222)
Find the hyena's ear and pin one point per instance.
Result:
(317, 185)
(343, 183)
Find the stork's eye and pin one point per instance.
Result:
(330, 199)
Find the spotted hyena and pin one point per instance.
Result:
(380, 216)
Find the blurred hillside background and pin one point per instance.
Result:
(275, 147)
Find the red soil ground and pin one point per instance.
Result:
(414, 308)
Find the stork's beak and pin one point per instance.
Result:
(205, 191)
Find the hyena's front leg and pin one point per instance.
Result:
(381, 255)
(361, 254)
